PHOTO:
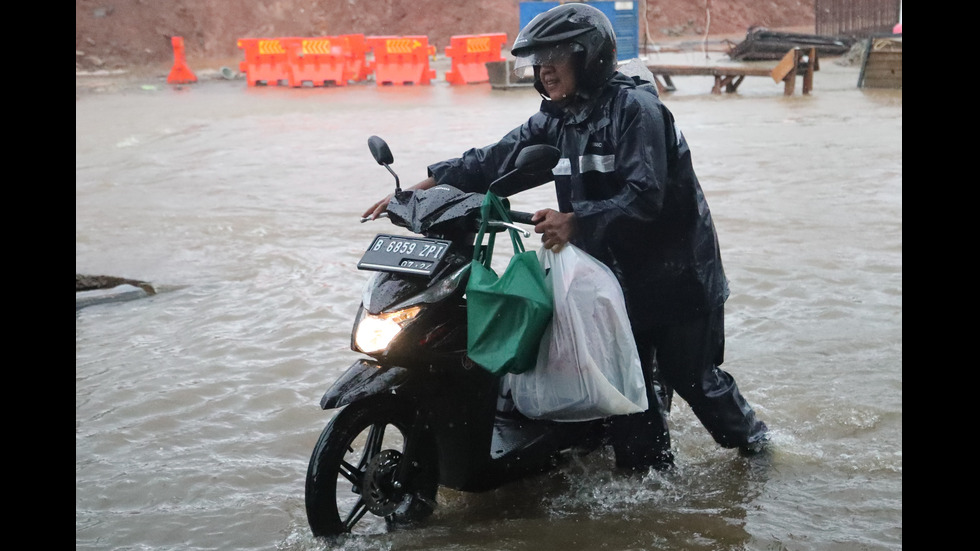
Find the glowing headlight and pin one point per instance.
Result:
(375, 332)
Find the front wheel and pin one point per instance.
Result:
(356, 469)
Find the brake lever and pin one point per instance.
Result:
(522, 231)
(368, 218)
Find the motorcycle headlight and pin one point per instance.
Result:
(376, 331)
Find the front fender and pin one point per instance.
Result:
(363, 379)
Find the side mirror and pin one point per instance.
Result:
(382, 154)
(380, 151)
(533, 161)
(537, 158)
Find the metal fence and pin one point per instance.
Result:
(856, 18)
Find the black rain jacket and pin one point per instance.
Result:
(626, 173)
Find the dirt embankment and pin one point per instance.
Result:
(135, 34)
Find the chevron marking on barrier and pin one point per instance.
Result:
(316, 46)
(477, 45)
(267, 47)
(401, 45)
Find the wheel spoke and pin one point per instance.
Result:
(375, 439)
(360, 508)
(351, 473)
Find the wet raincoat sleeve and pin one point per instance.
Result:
(477, 168)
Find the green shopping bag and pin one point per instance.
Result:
(506, 315)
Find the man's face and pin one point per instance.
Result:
(558, 80)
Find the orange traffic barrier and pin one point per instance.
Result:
(357, 63)
(470, 54)
(401, 59)
(180, 73)
(265, 61)
(318, 61)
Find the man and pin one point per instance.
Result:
(627, 195)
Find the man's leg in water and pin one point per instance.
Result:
(688, 356)
(642, 440)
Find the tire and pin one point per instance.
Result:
(360, 448)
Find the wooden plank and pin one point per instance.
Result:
(885, 58)
(680, 70)
(882, 72)
(880, 69)
(812, 64)
(733, 86)
(892, 84)
(786, 65)
(789, 83)
(716, 89)
(664, 84)
(698, 70)
(883, 80)
(744, 71)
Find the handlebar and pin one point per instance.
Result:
(515, 215)
(522, 217)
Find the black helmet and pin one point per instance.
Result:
(570, 27)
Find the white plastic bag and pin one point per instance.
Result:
(588, 366)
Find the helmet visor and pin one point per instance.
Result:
(553, 54)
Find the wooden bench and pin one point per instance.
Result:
(794, 63)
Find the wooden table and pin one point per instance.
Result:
(794, 63)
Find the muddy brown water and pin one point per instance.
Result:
(196, 409)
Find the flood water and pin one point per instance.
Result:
(196, 410)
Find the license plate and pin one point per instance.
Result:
(410, 255)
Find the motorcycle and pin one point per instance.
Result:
(417, 413)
